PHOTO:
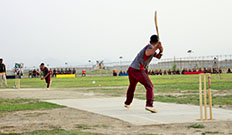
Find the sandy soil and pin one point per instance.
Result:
(70, 119)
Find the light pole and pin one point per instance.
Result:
(190, 52)
(66, 64)
(89, 63)
(120, 62)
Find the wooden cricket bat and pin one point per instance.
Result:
(156, 25)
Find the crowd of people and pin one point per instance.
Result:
(178, 71)
(36, 72)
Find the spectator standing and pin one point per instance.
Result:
(83, 73)
(3, 73)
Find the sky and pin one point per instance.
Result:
(75, 31)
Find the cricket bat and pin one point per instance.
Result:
(156, 25)
(157, 29)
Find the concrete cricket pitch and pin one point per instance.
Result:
(168, 113)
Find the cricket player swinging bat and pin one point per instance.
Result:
(137, 71)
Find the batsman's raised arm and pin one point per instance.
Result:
(156, 46)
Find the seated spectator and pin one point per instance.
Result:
(205, 70)
(58, 71)
(74, 71)
(149, 72)
(174, 72)
(178, 72)
(152, 72)
(220, 70)
(209, 70)
(229, 71)
(61, 71)
(165, 72)
(199, 69)
(156, 72)
(54, 73)
(160, 72)
(66, 71)
(182, 72)
(115, 72)
(30, 74)
(169, 72)
(38, 73)
(215, 70)
(69, 71)
(34, 73)
(120, 72)
(194, 70)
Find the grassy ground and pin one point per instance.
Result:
(187, 85)
(10, 105)
(189, 99)
(165, 83)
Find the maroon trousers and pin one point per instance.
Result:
(48, 80)
(141, 76)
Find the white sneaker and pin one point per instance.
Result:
(151, 109)
(127, 106)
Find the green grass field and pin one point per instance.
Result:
(165, 83)
(10, 105)
(187, 85)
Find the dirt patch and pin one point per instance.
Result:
(71, 119)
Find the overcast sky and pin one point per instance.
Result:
(74, 31)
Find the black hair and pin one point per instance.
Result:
(42, 64)
(154, 39)
(1, 59)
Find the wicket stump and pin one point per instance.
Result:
(204, 75)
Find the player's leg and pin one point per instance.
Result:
(5, 80)
(145, 80)
(132, 86)
(48, 80)
(1, 80)
(48, 84)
